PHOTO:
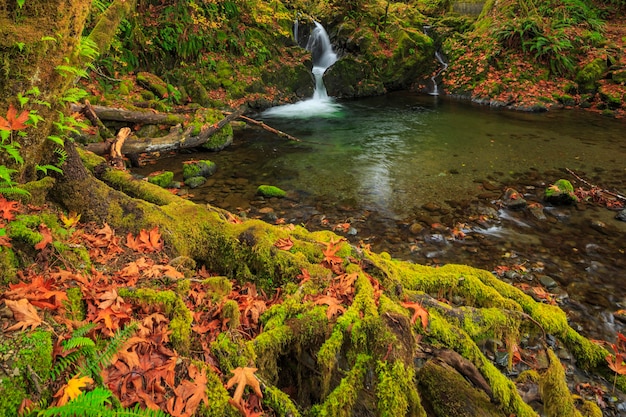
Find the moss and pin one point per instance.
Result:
(557, 399)
(74, 306)
(268, 346)
(162, 179)
(8, 266)
(561, 192)
(140, 189)
(218, 404)
(279, 402)
(173, 306)
(341, 401)
(153, 83)
(203, 168)
(270, 191)
(396, 392)
(588, 76)
(29, 357)
(231, 314)
(38, 190)
(232, 353)
(456, 339)
(590, 409)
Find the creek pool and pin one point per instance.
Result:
(406, 173)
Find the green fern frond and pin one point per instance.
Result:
(83, 330)
(64, 363)
(96, 403)
(78, 342)
(13, 191)
(103, 358)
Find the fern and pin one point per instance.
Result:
(102, 359)
(66, 70)
(74, 95)
(97, 403)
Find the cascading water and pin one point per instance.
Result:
(320, 104)
(443, 65)
(323, 58)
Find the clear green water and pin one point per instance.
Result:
(382, 163)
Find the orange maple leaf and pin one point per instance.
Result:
(12, 122)
(146, 241)
(46, 237)
(243, 377)
(7, 208)
(284, 243)
(418, 311)
(25, 314)
(189, 394)
(617, 364)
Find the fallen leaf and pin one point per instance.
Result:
(243, 377)
(418, 311)
(25, 314)
(70, 220)
(617, 364)
(46, 237)
(284, 243)
(12, 122)
(72, 389)
(7, 208)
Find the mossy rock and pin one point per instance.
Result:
(561, 192)
(162, 179)
(195, 182)
(153, 83)
(588, 77)
(270, 191)
(220, 139)
(203, 168)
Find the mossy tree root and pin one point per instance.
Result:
(362, 359)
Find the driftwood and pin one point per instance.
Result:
(612, 194)
(148, 117)
(269, 128)
(178, 138)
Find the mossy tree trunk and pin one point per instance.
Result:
(37, 41)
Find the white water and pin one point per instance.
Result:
(320, 104)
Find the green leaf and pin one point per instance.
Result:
(56, 139)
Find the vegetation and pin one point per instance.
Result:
(123, 299)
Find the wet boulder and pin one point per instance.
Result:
(203, 168)
(513, 200)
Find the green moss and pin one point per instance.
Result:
(270, 191)
(232, 352)
(203, 168)
(153, 83)
(340, 402)
(75, 308)
(279, 402)
(396, 392)
(268, 346)
(173, 306)
(218, 404)
(8, 266)
(557, 399)
(27, 355)
(163, 179)
(588, 76)
(231, 314)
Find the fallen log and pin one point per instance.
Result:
(90, 114)
(148, 117)
(178, 138)
(269, 128)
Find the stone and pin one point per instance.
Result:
(621, 215)
(560, 193)
(162, 179)
(203, 168)
(195, 182)
(271, 191)
(548, 282)
(513, 200)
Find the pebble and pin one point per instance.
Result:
(621, 215)
(548, 282)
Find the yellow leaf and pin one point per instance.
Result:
(72, 389)
(243, 377)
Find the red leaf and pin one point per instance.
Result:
(418, 311)
(12, 122)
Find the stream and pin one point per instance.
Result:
(423, 178)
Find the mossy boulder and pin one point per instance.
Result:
(270, 191)
(153, 83)
(588, 76)
(561, 192)
(203, 168)
(162, 179)
(220, 139)
(619, 76)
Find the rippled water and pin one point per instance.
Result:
(404, 170)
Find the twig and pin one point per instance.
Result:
(618, 196)
(276, 131)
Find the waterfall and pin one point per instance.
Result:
(443, 65)
(320, 104)
(295, 30)
(323, 57)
